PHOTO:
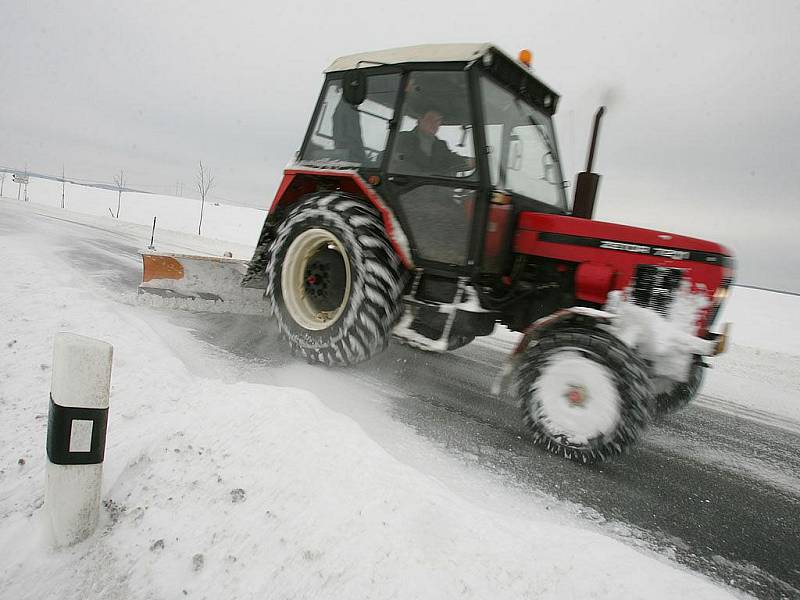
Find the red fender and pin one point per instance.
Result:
(538, 327)
(300, 181)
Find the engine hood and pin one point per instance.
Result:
(613, 236)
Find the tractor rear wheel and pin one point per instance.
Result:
(334, 280)
(584, 394)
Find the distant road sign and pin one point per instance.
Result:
(20, 178)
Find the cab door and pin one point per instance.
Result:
(431, 176)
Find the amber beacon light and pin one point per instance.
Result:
(525, 57)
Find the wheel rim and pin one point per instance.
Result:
(315, 279)
(576, 398)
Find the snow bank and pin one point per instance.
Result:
(220, 489)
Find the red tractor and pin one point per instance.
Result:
(427, 203)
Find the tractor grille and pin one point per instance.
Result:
(654, 287)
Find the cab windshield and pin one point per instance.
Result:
(523, 158)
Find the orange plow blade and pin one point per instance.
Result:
(157, 266)
(199, 282)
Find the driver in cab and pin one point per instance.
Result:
(420, 152)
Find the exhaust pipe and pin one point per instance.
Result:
(587, 183)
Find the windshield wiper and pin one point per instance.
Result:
(543, 135)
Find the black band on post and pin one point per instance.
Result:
(59, 430)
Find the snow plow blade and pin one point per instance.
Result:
(206, 283)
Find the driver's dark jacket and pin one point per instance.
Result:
(409, 158)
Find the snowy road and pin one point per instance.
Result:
(716, 488)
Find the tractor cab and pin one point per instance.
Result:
(453, 138)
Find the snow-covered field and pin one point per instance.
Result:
(218, 488)
(220, 222)
(761, 371)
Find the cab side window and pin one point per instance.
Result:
(344, 134)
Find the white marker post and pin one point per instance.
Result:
(76, 435)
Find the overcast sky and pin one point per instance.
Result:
(702, 133)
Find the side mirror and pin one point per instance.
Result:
(354, 87)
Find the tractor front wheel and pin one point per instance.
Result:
(584, 394)
(334, 280)
(674, 395)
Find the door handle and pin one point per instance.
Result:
(399, 180)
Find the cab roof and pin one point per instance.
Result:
(410, 54)
(515, 75)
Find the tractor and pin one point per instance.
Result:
(427, 204)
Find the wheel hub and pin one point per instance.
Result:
(564, 403)
(576, 395)
(325, 279)
(315, 280)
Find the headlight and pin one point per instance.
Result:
(720, 294)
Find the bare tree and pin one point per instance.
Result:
(119, 180)
(205, 181)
